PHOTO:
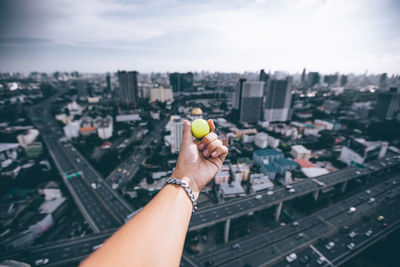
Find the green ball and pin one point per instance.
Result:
(200, 128)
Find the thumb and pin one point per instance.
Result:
(187, 134)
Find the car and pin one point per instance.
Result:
(358, 172)
(321, 260)
(351, 246)
(394, 182)
(368, 191)
(299, 236)
(380, 218)
(97, 246)
(351, 210)
(361, 198)
(371, 200)
(209, 263)
(330, 245)
(352, 234)
(344, 229)
(78, 160)
(383, 225)
(94, 186)
(295, 223)
(258, 197)
(368, 233)
(204, 238)
(288, 186)
(41, 261)
(291, 257)
(270, 193)
(292, 190)
(304, 259)
(236, 246)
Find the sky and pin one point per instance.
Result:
(346, 36)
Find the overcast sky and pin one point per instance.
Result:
(189, 35)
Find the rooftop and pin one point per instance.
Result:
(267, 152)
(285, 162)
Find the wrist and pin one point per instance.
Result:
(188, 179)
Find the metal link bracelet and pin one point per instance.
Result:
(187, 188)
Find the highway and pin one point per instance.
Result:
(102, 207)
(266, 247)
(132, 164)
(245, 205)
(269, 247)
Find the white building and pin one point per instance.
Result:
(300, 152)
(28, 138)
(9, 151)
(233, 189)
(104, 127)
(260, 181)
(358, 150)
(261, 140)
(176, 124)
(161, 94)
(71, 130)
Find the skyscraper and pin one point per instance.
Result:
(313, 78)
(176, 133)
(247, 103)
(388, 104)
(128, 89)
(108, 79)
(303, 77)
(277, 100)
(181, 82)
(264, 77)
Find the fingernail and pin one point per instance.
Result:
(205, 153)
(214, 153)
(201, 146)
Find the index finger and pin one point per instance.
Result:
(211, 124)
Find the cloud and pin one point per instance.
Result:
(238, 35)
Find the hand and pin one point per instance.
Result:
(199, 161)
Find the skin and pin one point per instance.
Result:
(156, 235)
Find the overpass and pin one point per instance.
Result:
(270, 247)
(233, 209)
(265, 248)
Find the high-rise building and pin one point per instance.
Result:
(264, 77)
(247, 103)
(128, 89)
(388, 104)
(277, 100)
(313, 78)
(108, 79)
(176, 133)
(383, 81)
(181, 82)
(303, 77)
(343, 80)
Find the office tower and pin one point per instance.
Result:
(128, 89)
(181, 82)
(161, 94)
(108, 79)
(176, 133)
(383, 81)
(277, 100)
(343, 80)
(388, 104)
(331, 79)
(313, 78)
(303, 77)
(264, 77)
(248, 100)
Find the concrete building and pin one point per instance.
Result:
(161, 94)
(232, 189)
(176, 133)
(388, 104)
(260, 181)
(358, 150)
(282, 165)
(127, 94)
(262, 140)
(277, 100)
(247, 101)
(104, 127)
(300, 152)
(28, 138)
(266, 156)
(71, 130)
(9, 151)
(181, 82)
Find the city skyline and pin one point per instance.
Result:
(325, 36)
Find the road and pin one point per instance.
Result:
(102, 207)
(265, 247)
(269, 247)
(245, 205)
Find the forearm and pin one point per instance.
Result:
(154, 237)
